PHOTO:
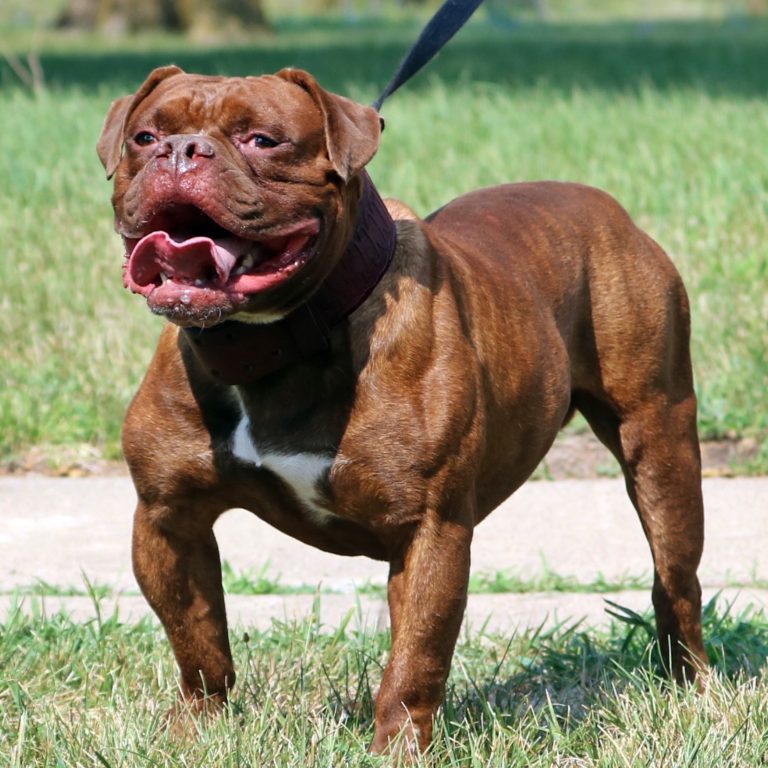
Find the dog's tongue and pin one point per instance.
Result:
(195, 260)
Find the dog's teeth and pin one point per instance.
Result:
(199, 282)
(245, 264)
(163, 278)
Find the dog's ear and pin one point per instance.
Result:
(110, 144)
(352, 130)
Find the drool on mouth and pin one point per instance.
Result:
(185, 252)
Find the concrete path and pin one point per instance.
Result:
(60, 530)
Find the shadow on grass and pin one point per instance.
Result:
(717, 57)
(568, 670)
(565, 670)
(550, 679)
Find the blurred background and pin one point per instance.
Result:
(204, 17)
(662, 103)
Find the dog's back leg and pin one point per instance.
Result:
(633, 381)
(658, 451)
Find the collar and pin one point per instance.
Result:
(238, 353)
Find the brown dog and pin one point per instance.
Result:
(375, 387)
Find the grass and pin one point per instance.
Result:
(670, 117)
(94, 694)
(502, 582)
(263, 582)
(248, 582)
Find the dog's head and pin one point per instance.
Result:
(235, 197)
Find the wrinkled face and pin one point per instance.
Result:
(226, 194)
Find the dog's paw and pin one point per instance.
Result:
(189, 716)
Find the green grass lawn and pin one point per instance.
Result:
(671, 118)
(94, 695)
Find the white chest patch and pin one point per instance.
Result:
(301, 471)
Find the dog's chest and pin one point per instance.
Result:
(303, 472)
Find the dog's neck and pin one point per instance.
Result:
(241, 353)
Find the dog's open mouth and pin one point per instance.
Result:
(188, 259)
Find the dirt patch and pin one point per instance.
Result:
(572, 456)
(584, 456)
(80, 460)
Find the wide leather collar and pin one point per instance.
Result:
(238, 353)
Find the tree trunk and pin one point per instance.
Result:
(171, 15)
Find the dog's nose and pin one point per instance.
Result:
(185, 151)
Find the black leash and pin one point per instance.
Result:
(449, 19)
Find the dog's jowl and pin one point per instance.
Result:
(373, 384)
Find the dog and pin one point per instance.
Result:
(371, 383)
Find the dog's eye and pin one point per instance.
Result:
(263, 142)
(144, 138)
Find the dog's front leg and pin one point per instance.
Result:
(427, 596)
(176, 563)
